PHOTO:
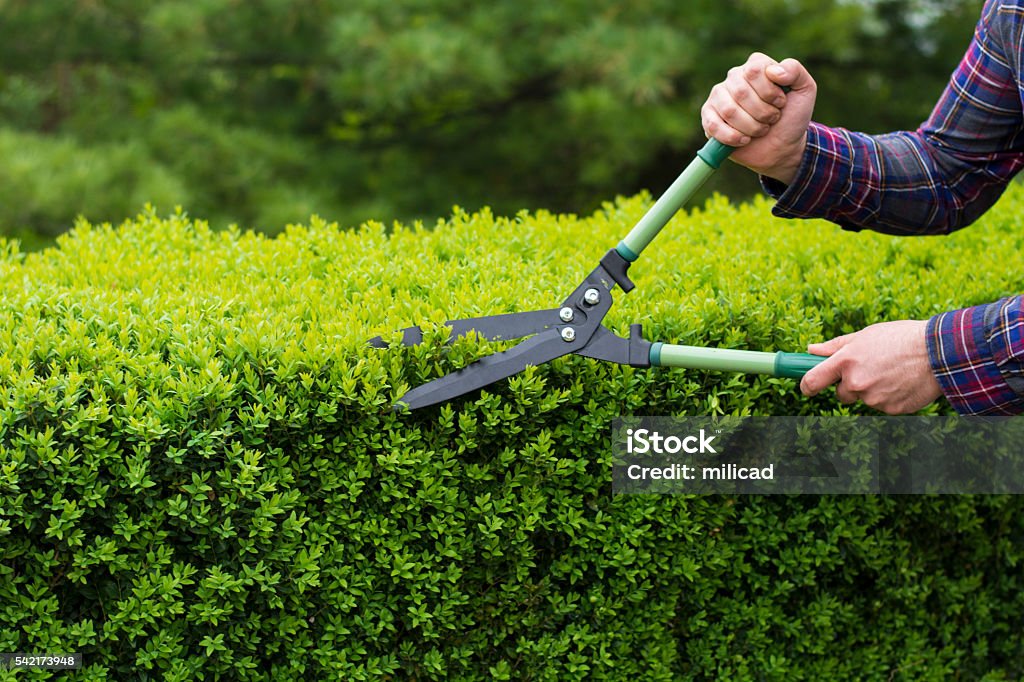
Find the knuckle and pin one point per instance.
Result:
(751, 71)
(886, 406)
(728, 110)
(856, 384)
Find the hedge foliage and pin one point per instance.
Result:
(201, 478)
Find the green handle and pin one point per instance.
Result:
(678, 193)
(708, 160)
(795, 365)
(714, 153)
(790, 365)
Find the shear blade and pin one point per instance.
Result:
(494, 327)
(536, 350)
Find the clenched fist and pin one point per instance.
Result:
(750, 111)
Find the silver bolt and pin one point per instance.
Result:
(568, 334)
(592, 296)
(565, 314)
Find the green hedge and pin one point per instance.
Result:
(201, 478)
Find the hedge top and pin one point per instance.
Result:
(153, 296)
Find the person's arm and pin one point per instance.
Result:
(973, 356)
(936, 179)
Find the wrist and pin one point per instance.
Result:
(785, 171)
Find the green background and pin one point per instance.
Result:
(265, 112)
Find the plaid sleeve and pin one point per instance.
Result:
(977, 355)
(938, 178)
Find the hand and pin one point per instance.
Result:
(749, 110)
(885, 365)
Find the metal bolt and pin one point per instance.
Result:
(568, 334)
(592, 296)
(565, 314)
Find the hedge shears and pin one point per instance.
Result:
(575, 326)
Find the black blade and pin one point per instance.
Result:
(411, 336)
(584, 309)
(604, 345)
(537, 350)
(494, 327)
(507, 326)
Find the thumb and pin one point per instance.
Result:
(822, 376)
(792, 73)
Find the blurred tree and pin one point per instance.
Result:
(263, 111)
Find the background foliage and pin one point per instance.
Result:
(201, 478)
(264, 112)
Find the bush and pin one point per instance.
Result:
(200, 475)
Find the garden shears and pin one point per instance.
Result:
(575, 326)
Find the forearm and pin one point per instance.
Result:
(940, 177)
(899, 183)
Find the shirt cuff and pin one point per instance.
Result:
(820, 182)
(962, 357)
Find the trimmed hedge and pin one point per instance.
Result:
(201, 478)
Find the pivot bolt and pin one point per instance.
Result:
(568, 334)
(592, 296)
(565, 314)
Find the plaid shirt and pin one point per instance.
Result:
(934, 180)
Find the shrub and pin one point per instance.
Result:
(201, 478)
